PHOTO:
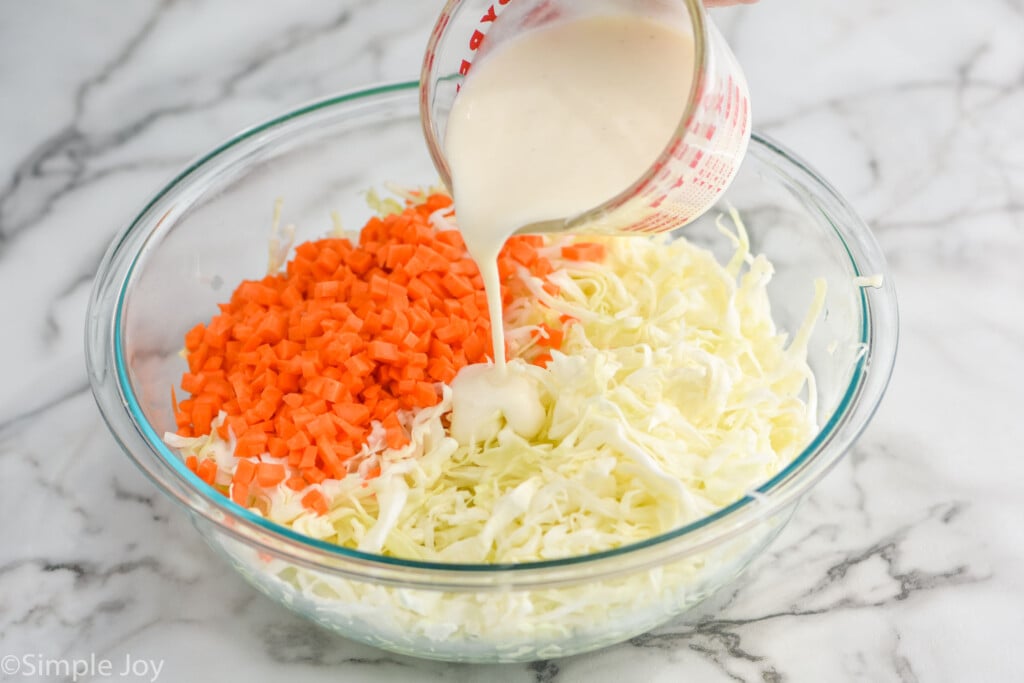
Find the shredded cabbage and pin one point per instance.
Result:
(281, 241)
(874, 281)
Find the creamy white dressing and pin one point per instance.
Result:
(553, 123)
(484, 399)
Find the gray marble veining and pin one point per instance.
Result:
(907, 563)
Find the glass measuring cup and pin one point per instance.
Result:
(697, 163)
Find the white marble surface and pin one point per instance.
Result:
(907, 564)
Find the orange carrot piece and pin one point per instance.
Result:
(313, 475)
(245, 470)
(194, 337)
(240, 493)
(207, 471)
(315, 501)
(382, 351)
(269, 474)
(542, 360)
(584, 251)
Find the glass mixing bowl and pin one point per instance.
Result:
(208, 229)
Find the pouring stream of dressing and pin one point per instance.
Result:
(557, 121)
(548, 125)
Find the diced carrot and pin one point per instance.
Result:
(313, 475)
(193, 383)
(308, 457)
(382, 351)
(353, 413)
(277, 447)
(299, 441)
(542, 360)
(522, 252)
(331, 458)
(240, 493)
(194, 337)
(202, 416)
(360, 261)
(449, 334)
(424, 394)
(419, 289)
(237, 425)
(475, 348)
(457, 285)
(269, 474)
(548, 336)
(322, 427)
(452, 238)
(245, 470)
(315, 501)
(207, 471)
(584, 251)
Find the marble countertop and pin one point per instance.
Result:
(906, 564)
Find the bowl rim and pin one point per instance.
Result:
(123, 414)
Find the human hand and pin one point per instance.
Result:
(726, 3)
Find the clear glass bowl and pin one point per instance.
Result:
(208, 229)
